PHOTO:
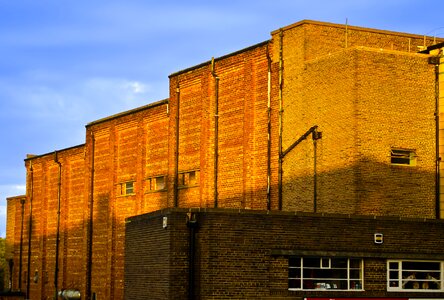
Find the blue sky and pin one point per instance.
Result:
(66, 63)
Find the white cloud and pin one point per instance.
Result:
(136, 87)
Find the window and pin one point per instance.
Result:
(189, 179)
(126, 188)
(403, 157)
(157, 183)
(414, 276)
(325, 273)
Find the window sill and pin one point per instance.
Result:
(326, 290)
(182, 187)
(126, 195)
(156, 191)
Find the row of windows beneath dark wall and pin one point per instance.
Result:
(159, 183)
(346, 274)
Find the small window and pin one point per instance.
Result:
(126, 188)
(189, 179)
(325, 273)
(157, 183)
(414, 276)
(403, 157)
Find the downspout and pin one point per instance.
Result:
(269, 131)
(192, 225)
(316, 135)
(216, 131)
(90, 226)
(438, 158)
(436, 60)
(176, 151)
(280, 171)
(22, 202)
(31, 195)
(59, 185)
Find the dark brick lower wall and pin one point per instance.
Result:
(243, 254)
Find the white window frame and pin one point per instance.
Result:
(127, 188)
(348, 283)
(403, 279)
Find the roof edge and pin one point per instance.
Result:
(360, 28)
(31, 156)
(128, 112)
(220, 58)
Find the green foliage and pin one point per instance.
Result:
(3, 264)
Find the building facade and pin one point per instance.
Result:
(322, 126)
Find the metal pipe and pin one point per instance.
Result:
(280, 170)
(176, 151)
(90, 224)
(22, 202)
(59, 185)
(316, 135)
(31, 195)
(192, 225)
(299, 140)
(269, 132)
(216, 131)
(438, 158)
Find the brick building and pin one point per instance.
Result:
(304, 166)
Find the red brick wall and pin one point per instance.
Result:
(127, 148)
(42, 190)
(242, 129)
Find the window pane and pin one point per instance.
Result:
(294, 284)
(393, 266)
(394, 283)
(420, 265)
(129, 188)
(310, 262)
(294, 273)
(355, 274)
(340, 274)
(355, 263)
(394, 275)
(339, 263)
(160, 183)
(294, 261)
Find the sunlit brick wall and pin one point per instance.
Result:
(353, 94)
(242, 130)
(42, 190)
(128, 148)
(395, 106)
